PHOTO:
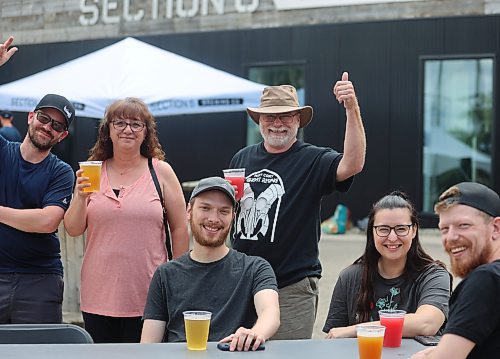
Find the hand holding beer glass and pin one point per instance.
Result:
(237, 178)
(197, 324)
(91, 170)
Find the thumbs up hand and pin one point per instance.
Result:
(344, 92)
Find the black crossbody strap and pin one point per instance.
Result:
(168, 245)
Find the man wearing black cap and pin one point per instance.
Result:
(239, 290)
(469, 221)
(35, 190)
(8, 131)
(286, 179)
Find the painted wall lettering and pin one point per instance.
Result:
(115, 11)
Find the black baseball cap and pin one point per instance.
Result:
(60, 103)
(5, 114)
(214, 183)
(475, 195)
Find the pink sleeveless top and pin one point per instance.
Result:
(125, 243)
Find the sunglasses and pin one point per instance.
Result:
(45, 119)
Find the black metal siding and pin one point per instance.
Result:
(383, 59)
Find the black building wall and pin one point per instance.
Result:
(384, 63)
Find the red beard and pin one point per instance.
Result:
(208, 242)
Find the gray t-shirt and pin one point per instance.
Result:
(431, 286)
(225, 287)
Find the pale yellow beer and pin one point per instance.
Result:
(197, 324)
(92, 170)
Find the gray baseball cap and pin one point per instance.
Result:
(214, 183)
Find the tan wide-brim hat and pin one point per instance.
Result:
(280, 99)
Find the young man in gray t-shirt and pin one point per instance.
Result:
(239, 290)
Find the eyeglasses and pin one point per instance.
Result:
(401, 230)
(45, 119)
(135, 126)
(286, 118)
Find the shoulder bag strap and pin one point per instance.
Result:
(168, 245)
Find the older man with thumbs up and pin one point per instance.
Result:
(279, 213)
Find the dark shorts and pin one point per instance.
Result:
(104, 329)
(31, 298)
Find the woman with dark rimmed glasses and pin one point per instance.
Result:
(394, 272)
(125, 240)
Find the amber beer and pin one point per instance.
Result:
(92, 170)
(197, 324)
(370, 341)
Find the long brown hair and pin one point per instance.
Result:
(417, 260)
(129, 108)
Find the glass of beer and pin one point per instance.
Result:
(370, 340)
(197, 323)
(92, 170)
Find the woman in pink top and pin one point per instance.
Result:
(125, 235)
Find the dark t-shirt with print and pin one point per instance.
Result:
(431, 286)
(474, 311)
(279, 214)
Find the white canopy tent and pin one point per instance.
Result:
(168, 83)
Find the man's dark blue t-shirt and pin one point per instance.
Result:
(25, 185)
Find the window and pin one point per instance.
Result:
(458, 121)
(275, 75)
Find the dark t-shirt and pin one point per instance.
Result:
(279, 214)
(474, 311)
(226, 288)
(24, 185)
(431, 286)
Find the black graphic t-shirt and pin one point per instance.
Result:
(279, 214)
(430, 287)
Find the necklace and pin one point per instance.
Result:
(121, 172)
(125, 171)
